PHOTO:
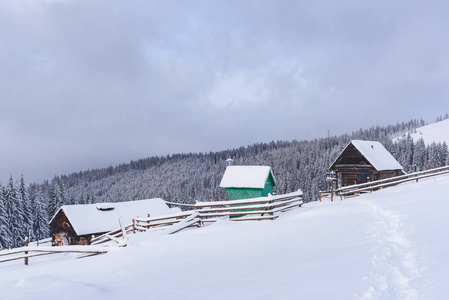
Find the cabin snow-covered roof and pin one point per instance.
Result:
(246, 177)
(103, 217)
(376, 154)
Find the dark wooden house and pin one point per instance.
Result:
(76, 224)
(364, 161)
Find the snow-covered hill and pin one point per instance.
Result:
(391, 244)
(436, 132)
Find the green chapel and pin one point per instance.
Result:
(245, 182)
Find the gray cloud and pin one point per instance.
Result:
(86, 84)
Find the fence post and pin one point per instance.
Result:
(26, 252)
(134, 226)
(122, 227)
(320, 196)
(332, 194)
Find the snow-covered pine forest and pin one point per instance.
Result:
(184, 178)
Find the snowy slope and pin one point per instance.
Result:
(391, 244)
(436, 132)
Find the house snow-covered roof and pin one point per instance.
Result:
(103, 217)
(246, 177)
(376, 154)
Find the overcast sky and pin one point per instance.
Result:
(88, 84)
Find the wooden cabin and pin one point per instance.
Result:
(246, 182)
(76, 224)
(364, 161)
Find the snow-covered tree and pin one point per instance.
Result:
(25, 203)
(5, 234)
(420, 154)
(64, 195)
(14, 210)
(81, 200)
(55, 201)
(40, 220)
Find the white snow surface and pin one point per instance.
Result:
(391, 244)
(436, 132)
(245, 177)
(90, 218)
(377, 155)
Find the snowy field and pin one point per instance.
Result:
(391, 244)
(436, 132)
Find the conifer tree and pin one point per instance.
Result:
(72, 200)
(444, 153)
(27, 207)
(40, 221)
(55, 201)
(408, 153)
(81, 201)
(5, 234)
(64, 196)
(420, 154)
(14, 210)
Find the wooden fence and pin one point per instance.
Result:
(41, 242)
(262, 208)
(26, 252)
(190, 221)
(356, 189)
(149, 224)
(119, 235)
(160, 222)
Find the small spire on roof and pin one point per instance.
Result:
(229, 161)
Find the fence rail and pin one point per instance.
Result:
(33, 251)
(262, 208)
(374, 185)
(161, 221)
(117, 235)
